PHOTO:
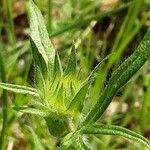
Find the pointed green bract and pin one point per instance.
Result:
(39, 60)
(91, 76)
(19, 89)
(71, 68)
(40, 83)
(115, 130)
(77, 102)
(40, 41)
(59, 104)
(58, 71)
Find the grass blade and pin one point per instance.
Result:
(115, 130)
(85, 21)
(145, 108)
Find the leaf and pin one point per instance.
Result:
(59, 103)
(33, 111)
(57, 66)
(76, 104)
(39, 60)
(43, 111)
(71, 68)
(40, 82)
(37, 143)
(42, 49)
(115, 130)
(37, 104)
(119, 78)
(19, 89)
(91, 76)
(72, 142)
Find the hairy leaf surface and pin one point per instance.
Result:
(115, 130)
(19, 89)
(42, 49)
(120, 77)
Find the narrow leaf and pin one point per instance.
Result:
(119, 78)
(43, 111)
(76, 104)
(97, 67)
(60, 99)
(33, 111)
(115, 130)
(71, 68)
(19, 89)
(39, 60)
(39, 81)
(39, 38)
(35, 103)
(57, 66)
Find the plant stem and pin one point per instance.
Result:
(5, 104)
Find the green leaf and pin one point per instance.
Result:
(42, 48)
(76, 104)
(115, 130)
(71, 68)
(58, 71)
(35, 103)
(39, 61)
(40, 82)
(91, 76)
(72, 141)
(37, 143)
(59, 103)
(19, 89)
(33, 111)
(119, 78)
